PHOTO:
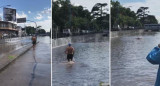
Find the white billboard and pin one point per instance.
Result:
(9, 14)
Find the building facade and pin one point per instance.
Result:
(8, 29)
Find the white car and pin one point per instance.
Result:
(5, 35)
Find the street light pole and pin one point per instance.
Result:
(35, 24)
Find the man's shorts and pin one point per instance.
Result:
(34, 42)
(69, 57)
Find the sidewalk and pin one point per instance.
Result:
(10, 51)
(33, 68)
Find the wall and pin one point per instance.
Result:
(126, 33)
(13, 39)
(78, 39)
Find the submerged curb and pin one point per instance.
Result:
(6, 60)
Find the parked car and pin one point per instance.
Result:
(5, 35)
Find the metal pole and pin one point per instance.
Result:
(33, 21)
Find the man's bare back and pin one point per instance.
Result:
(69, 50)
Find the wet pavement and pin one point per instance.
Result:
(31, 69)
(128, 60)
(91, 65)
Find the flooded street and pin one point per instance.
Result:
(32, 68)
(128, 60)
(91, 65)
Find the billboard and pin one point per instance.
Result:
(21, 20)
(9, 14)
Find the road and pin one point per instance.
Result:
(91, 65)
(129, 66)
(31, 69)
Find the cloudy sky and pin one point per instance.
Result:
(135, 4)
(89, 3)
(34, 10)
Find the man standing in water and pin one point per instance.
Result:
(69, 51)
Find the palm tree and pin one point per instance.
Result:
(98, 11)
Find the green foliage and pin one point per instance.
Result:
(79, 22)
(141, 12)
(65, 15)
(41, 31)
(99, 10)
(144, 18)
(124, 17)
(151, 19)
(30, 30)
(61, 12)
(11, 57)
(99, 13)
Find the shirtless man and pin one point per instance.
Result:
(69, 51)
(34, 40)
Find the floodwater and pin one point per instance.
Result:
(129, 66)
(91, 65)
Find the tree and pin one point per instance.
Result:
(30, 30)
(61, 15)
(123, 17)
(144, 17)
(115, 13)
(151, 19)
(79, 22)
(99, 10)
(99, 13)
(41, 31)
(39, 27)
(67, 16)
(142, 12)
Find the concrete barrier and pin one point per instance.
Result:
(14, 39)
(74, 39)
(126, 33)
(61, 42)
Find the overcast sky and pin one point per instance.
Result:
(135, 4)
(89, 3)
(34, 10)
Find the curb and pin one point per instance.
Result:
(12, 56)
